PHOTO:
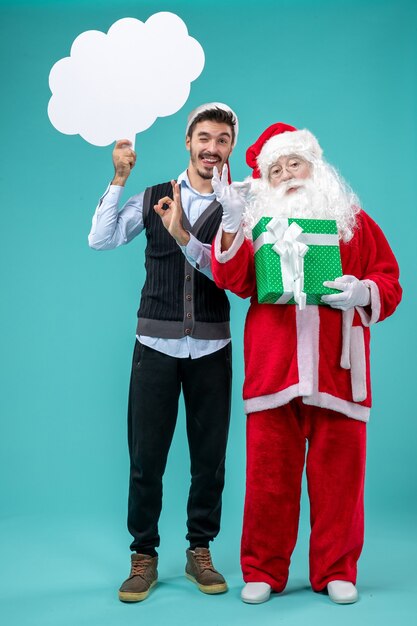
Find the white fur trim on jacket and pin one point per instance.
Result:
(366, 319)
(321, 399)
(350, 409)
(300, 142)
(272, 400)
(223, 257)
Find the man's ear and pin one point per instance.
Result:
(188, 142)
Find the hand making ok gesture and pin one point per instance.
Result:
(172, 216)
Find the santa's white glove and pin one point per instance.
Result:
(232, 198)
(353, 292)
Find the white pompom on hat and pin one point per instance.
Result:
(280, 140)
(207, 107)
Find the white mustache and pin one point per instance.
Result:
(293, 183)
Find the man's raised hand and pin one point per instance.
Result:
(232, 198)
(124, 159)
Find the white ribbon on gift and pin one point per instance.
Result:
(292, 241)
(292, 253)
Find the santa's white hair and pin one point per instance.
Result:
(323, 195)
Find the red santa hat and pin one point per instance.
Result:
(280, 140)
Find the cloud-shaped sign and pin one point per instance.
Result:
(115, 85)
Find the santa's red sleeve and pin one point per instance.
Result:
(234, 269)
(379, 269)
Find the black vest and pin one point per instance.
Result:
(178, 300)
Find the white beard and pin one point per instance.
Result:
(323, 196)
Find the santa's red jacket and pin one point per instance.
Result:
(319, 353)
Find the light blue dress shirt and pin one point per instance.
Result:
(112, 228)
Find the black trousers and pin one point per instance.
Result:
(155, 386)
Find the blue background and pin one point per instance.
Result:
(344, 69)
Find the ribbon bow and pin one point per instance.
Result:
(292, 253)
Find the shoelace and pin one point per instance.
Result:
(204, 560)
(139, 567)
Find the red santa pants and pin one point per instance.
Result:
(335, 465)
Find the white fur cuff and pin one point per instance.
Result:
(375, 304)
(223, 257)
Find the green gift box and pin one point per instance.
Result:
(293, 257)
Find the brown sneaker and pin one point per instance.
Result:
(143, 576)
(201, 571)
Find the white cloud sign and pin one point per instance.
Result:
(115, 85)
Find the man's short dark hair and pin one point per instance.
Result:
(214, 115)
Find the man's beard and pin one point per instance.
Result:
(205, 173)
(323, 196)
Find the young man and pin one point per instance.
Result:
(183, 342)
(306, 369)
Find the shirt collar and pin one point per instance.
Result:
(184, 181)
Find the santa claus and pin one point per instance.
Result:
(307, 375)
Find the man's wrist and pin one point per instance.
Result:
(182, 238)
(119, 180)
